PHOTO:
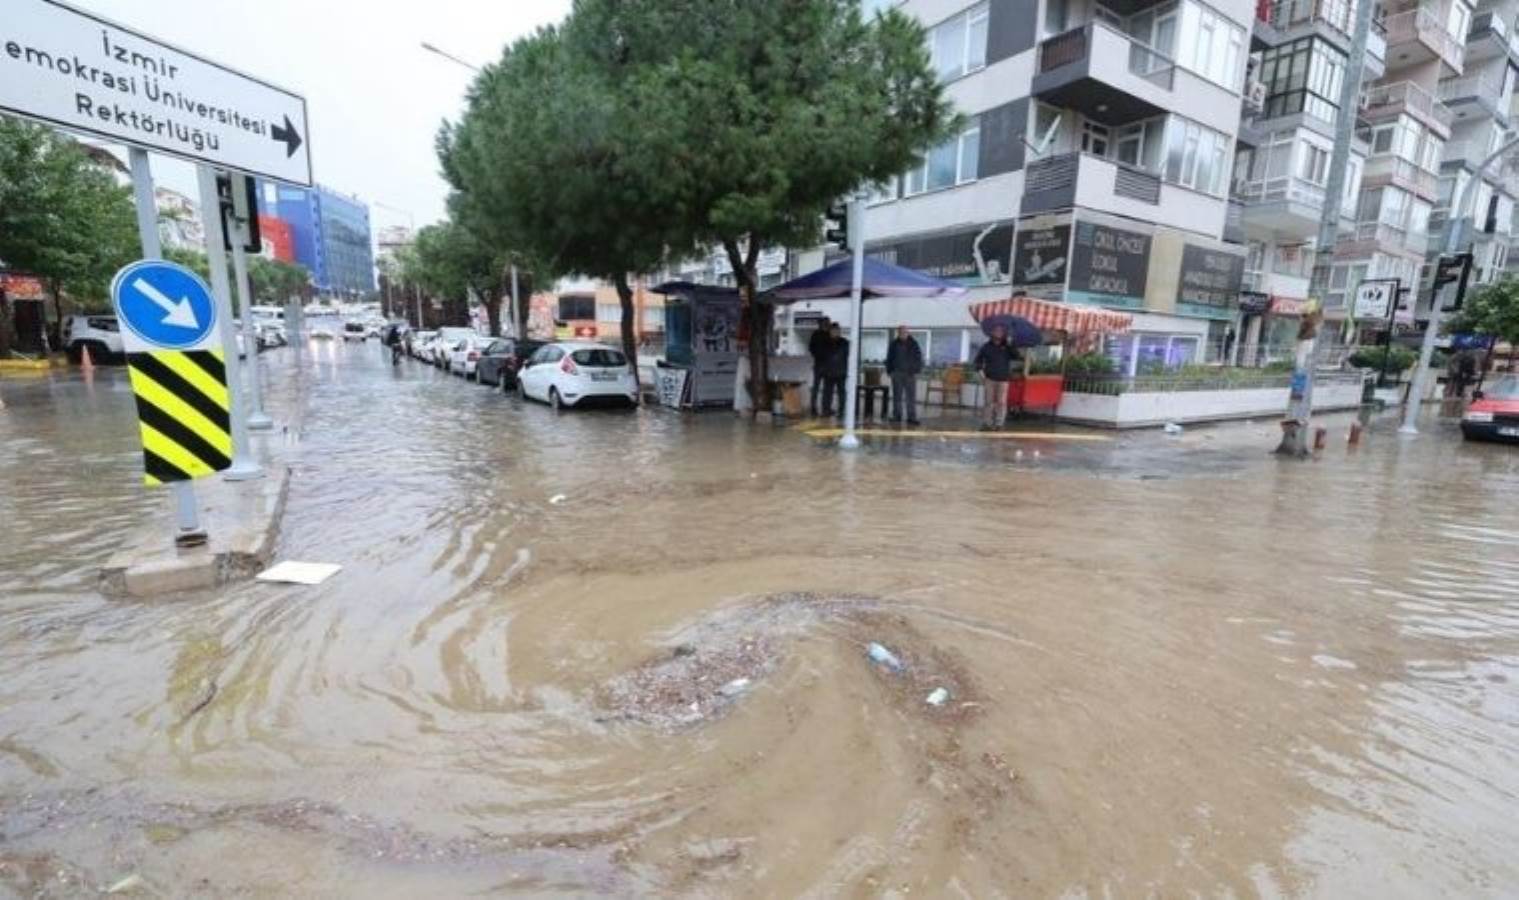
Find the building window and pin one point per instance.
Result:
(1197, 157)
(1057, 16)
(959, 43)
(953, 162)
(1303, 76)
(1211, 46)
(1046, 128)
(1140, 144)
(1313, 163)
(1458, 21)
(1094, 138)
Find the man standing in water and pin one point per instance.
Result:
(904, 360)
(818, 348)
(995, 363)
(835, 370)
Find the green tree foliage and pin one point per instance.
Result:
(1491, 310)
(276, 281)
(450, 262)
(551, 159)
(758, 116)
(62, 217)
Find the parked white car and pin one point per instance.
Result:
(101, 334)
(574, 373)
(420, 344)
(463, 358)
(448, 339)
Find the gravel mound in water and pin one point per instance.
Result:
(715, 662)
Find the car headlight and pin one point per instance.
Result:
(1478, 417)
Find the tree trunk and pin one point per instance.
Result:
(756, 319)
(492, 312)
(55, 340)
(629, 320)
(7, 326)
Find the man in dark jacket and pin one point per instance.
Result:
(904, 360)
(835, 368)
(818, 348)
(995, 363)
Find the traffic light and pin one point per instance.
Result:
(1448, 269)
(836, 229)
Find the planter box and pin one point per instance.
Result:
(1146, 409)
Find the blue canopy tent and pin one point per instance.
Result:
(877, 279)
(880, 280)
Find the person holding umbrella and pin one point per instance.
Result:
(904, 360)
(995, 363)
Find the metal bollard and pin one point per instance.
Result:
(1320, 438)
(1355, 434)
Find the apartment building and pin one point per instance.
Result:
(1094, 168)
(1281, 170)
(1480, 101)
(1406, 127)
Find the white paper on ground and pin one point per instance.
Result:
(300, 572)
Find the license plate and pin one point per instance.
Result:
(603, 376)
(1511, 431)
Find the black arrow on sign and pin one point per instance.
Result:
(290, 137)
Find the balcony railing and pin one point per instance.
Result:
(1424, 25)
(1064, 49)
(1478, 86)
(1411, 97)
(1055, 173)
(1287, 188)
(1404, 174)
(1151, 65)
(1337, 14)
(1075, 45)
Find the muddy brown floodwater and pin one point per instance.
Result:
(1171, 666)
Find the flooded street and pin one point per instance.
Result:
(627, 653)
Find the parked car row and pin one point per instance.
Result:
(101, 335)
(561, 374)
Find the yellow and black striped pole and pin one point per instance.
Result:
(183, 413)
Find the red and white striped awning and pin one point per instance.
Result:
(1048, 316)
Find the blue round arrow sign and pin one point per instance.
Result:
(164, 304)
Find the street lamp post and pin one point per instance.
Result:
(1455, 239)
(450, 57)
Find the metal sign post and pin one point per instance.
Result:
(244, 467)
(188, 532)
(240, 221)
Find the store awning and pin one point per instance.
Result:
(1056, 316)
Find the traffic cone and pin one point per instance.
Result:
(86, 364)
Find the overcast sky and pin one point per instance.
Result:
(375, 97)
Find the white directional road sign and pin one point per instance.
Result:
(73, 69)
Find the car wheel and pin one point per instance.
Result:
(554, 399)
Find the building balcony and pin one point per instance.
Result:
(1113, 79)
(1092, 182)
(1477, 96)
(1469, 154)
(1398, 172)
(1388, 101)
(1491, 36)
(1286, 206)
(1331, 20)
(1418, 35)
(1374, 237)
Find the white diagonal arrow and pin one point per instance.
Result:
(180, 315)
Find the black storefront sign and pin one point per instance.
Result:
(1254, 303)
(1109, 266)
(974, 256)
(1210, 282)
(1041, 255)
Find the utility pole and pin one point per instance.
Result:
(1300, 403)
(1455, 239)
(856, 321)
(189, 532)
(244, 466)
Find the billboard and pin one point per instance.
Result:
(1109, 266)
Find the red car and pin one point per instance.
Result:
(1494, 411)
